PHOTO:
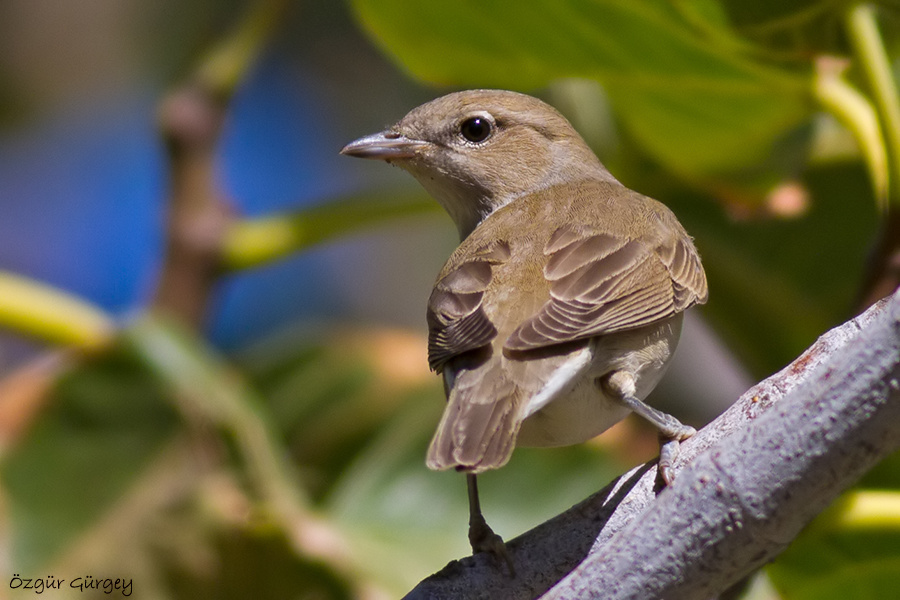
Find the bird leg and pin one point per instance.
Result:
(619, 386)
(481, 536)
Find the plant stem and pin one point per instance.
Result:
(252, 242)
(226, 65)
(857, 114)
(868, 49)
(204, 384)
(43, 312)
(867, 509)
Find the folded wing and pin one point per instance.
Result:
(602, 282)
(457, 322)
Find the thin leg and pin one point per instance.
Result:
(481, 536)
(619, 385)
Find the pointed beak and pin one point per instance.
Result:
(386, 145)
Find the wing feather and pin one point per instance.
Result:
(457, 322)
(603, 283)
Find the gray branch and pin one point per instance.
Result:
(748, 483)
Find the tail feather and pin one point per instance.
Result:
(478, 429)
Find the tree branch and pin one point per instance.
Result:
(190, 121)
(750, 481)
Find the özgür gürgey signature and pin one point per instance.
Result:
(41, 584)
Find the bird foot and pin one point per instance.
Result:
(483, 539)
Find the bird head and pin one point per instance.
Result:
(476, 151)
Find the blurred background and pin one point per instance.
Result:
(278, 448)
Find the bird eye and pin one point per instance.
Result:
(476, 129)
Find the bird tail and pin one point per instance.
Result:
(480, 424)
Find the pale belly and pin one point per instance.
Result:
(570, 408)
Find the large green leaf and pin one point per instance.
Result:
(799, 26)
(677, 78)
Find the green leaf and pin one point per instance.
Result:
(804, 27)
(850, 551)
(885, 475)
(252, 563)
(685, 92)
(777, 284)
(103, 426)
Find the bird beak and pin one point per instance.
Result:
(386, 145)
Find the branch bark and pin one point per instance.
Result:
(191, 119)
(748, 483)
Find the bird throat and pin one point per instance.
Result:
(468, 205)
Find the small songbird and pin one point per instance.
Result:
(562, 306)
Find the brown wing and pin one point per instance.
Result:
(457, 322)
(603, 283)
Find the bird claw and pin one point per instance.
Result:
(668, 453)
(483, 539)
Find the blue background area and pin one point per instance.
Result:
(82, 194)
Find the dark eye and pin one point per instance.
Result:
(476, 129)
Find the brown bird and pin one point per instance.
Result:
(562, 306)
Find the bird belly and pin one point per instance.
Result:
(574, 417)
(571, 408)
